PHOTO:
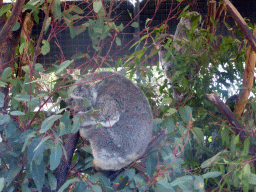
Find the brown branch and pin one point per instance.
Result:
(225, 110)
(64, 166)
(219, 12)
(211, 14)
(227, 113)
(241, 23)
(248, 79)
(7, 28)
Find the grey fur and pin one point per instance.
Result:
(180, 38)
(126, 131)
(180, 35)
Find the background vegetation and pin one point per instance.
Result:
(202, 152)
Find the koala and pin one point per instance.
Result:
(179, 39)
(121, 131)
(180, 35)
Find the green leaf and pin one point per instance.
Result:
(17, 113)
(65, 126)
(75, 126)
(47, 123)
(184, 12)
(3, 84)
(179, 181)
(46, 47)
(55, 157)
(97, 5)
(63, 66)
(32, 7)
(212, 174)
(135, 24)
(199, 135)
(246, 147)
(164, 183)
(13, 172)
(209, 162)
(5, 9)
(71, 89)
(6, 73)
(252, 179)
(67, 183)
(186, 113)
(1, 99)
(86, 103)
(22, 46)
(52, 181)
(56, 9)
(4, 119)
(16, 26)
(96, 188)
(198, 183)
(22, 97)
(77, 9)
(168, 123)
(123, 183)
(72, 31)
(151, 163)
(42, 142)
(47, 25)
(1, 184)
(130, 173)
(38, 176)
(118, 41)
(167, 100)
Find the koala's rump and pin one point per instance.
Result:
(118, 146)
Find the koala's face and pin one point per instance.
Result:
(189, 19)
(80, 96)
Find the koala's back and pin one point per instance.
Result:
(127, 130)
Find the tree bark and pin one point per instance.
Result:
(241, 23)
(8, 41)
(248, 79)
(211, 14)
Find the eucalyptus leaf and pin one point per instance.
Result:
(6, 73)
(55, 157)
(1, 184)
(1, 99)
(46, 47)
(67, 183)
(52, 181)
(13, 172)
(56, 9)
(63, 66)
(38, 175)
(5, 8)
(47, 123)
(97, 6)
(16, 26)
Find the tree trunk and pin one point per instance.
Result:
(8, 41)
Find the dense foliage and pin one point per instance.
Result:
(201, 151)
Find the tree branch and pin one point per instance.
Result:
(7, 28)
(241, 23)
(211, 14)
(230, 117)
(248, 79)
